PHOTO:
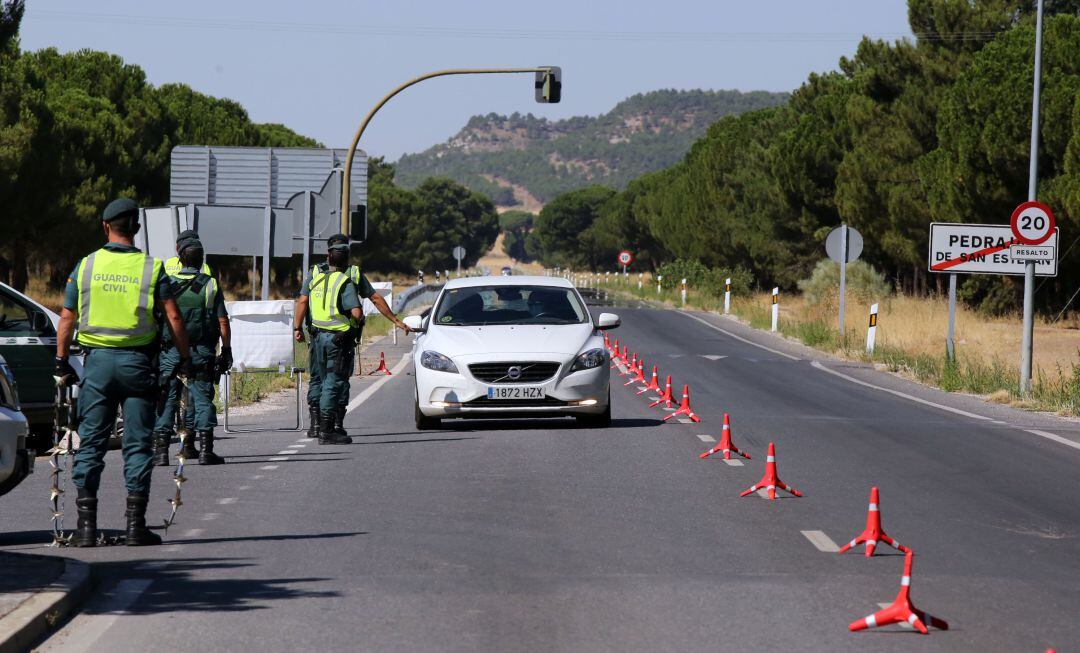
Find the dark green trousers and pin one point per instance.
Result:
(329, 385)
(114, 378)
(202, 414)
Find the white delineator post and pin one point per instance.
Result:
(607, 277)
(683, 292)
(659, 279)
(871, 331)
(775, 307)
(727, 295)
(640, 279)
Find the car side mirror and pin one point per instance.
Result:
(39, 321)
(416, 323)
(607, 321)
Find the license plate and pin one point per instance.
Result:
(515, 392)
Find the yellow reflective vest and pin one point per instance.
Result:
(173, 267)
(323, 294)
(116, 299)
(353, 273)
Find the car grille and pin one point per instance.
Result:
(484, 402)
(531, 371)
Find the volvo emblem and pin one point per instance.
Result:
(514, 373)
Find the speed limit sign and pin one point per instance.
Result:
(1032, 223)
(625, 257)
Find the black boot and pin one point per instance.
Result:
(161, 449)
(339, 422)
(188, 449)
(313, 416)
(206, 446)
(86, 529)
(326, 431)
(137, 532)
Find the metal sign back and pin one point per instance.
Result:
(834, 244)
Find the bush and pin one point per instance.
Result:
(864, 283)
(701, 277)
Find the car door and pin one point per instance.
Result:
(29, 352)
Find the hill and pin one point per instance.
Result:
(523, 161)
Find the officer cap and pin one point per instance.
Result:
(337, 241)
(119, 208)
(187, 233)
(185, 242)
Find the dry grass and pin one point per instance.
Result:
(497, 259)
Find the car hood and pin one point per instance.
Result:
(567, 339)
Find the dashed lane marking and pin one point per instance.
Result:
(269, 467)
(297, 446)
(211, 516)
(194, 532)
(306, 440)
(83, 632)
(733, 462)
(224, 501)
(276, 459)
(739, 338)
(244, 487)
(713, 357)
(257, 477)
(706, 438)
(1055, 438)
(286, 452)
(822, 541)
(363, 396)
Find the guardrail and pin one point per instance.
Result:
(415, 295)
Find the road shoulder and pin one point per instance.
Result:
(51, 589)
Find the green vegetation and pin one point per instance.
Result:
(904, 134)
(516, 227)
(641, 134)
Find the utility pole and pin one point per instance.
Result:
(1026, 345)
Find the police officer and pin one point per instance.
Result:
(113, 295)
(364, 290)
(334, 304)
(203, 308)
(174, 265)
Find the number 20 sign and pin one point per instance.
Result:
(1032, 223)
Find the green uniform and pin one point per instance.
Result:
(364, 290)
(331, 297)
(201, 304)
(114, 291)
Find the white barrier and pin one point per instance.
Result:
(775, 307)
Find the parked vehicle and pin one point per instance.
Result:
(28, 343)
(511, 347)
(16, 461)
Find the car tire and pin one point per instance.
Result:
(601, 421)
(423, 422)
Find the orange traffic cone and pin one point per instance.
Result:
(873, 533)
(382, 365)
(901, 609)
(607, 342)
(652, 384)
(665, 397)
(631, 366)
(639, 374)
(684, 407)
(725, 445)
(619, 358)
(770, 481)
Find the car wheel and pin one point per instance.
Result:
(423, 422)
(601, 421)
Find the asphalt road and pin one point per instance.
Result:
(539, 536)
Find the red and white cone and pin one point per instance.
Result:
(639, 374)
(652, 384)
(901, 609)
(665, 397)
(382, 366)
(619, 359)
(873, 532)
(607, 342)
(770, 481)
(684, 407)
(725, 446)
(631, 366)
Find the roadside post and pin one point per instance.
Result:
(683, 292)
(659, 281)
(419, 277)
(950, 347)
(640, 279)
(438, 277)
(1026, 344)
(459, 254)
(446, 274)
(727, 296)
(871, 331)
(607, 276)
(843, 245)
(775, 308)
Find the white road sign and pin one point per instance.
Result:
(981, 249)
(1032, 253)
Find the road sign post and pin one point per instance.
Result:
(459, 254)
(843, 245)
(950, 347)
(1033, 182)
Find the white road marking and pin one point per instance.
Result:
(276, 459)
(739, 338)
(902, 395)
(713, 357)
(211, 516)
(1055, 438)
(366, 394)
(269, 467)
(257, 477)
(224, 501)
(286, 452)
(244, 487)
(193, 532)
(763, 493)
(83, 632)
(172, 548)
(297, 446)
(822, 541)
(684, 420)
(734, 462)
(306, 440)
(706, 438)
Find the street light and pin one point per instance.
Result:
(548, 84)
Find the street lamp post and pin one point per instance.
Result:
(548, 89)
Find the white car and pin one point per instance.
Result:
(511, 347)
(16, 461)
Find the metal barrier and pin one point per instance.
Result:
(297, 372)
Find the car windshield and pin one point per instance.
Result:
(484, 305)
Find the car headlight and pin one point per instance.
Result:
(433, 360)
(589, 360)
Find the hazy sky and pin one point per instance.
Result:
(319, 65)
